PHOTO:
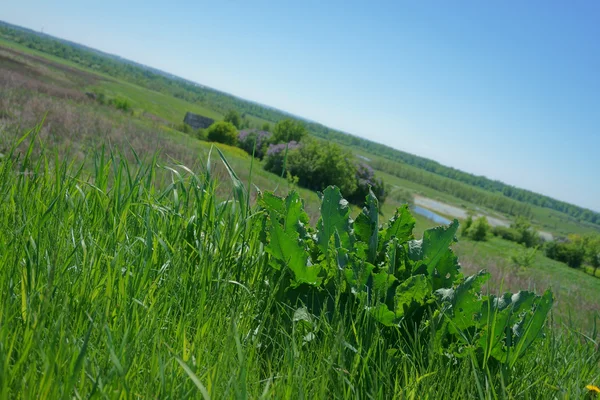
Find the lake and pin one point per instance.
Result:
(438, 219)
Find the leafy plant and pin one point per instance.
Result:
(400, 281)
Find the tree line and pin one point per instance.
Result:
(457, 189)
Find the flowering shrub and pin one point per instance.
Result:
(276, 156)
(365, 178)
(254, 141)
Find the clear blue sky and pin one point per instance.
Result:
(506, 89)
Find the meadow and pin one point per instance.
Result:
(132, 267)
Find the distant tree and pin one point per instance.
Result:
(266, 127)
(234, 118)
(479, 229)
(315, 164)
(590, 244)
(464, 228)
(288, 131)
(222, 132)
(506, 233)
(593, 252)
(569, 252)
(254, 142)
(527, 235)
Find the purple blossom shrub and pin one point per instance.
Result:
(276, 155)
(254, 140)
(365, 177)
(277, 149)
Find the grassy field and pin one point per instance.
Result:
(107, 294)
(120, 285)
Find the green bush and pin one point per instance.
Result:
(566, 252)
(464, 228)
(479, 230)
(527, 235)
(121, 103)
(506, 233)
(222, 132)
(315, 164)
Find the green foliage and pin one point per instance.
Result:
(576, 250)
(567, 252)
(490, 327)
(234, 118)
(478, 230)
(120, 103)
(222, 132)
(506, 233)
(525, 257)
(403, 282)
(266, 127)
(527, 235)
(466, 226)
(288, 130)
(317, 165)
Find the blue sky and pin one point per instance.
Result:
(506, 89)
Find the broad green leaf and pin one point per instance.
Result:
(395, 259)
(341, 252)
(530, 327)
(446, 271)
(466, 303)
(335, 216)
(382, 314)
(413, 291)
(382, 281)
(358, 274)
(272, 203)
(434, 250)
(494, 321)
(401, 225)
(366, 226)
(290, 252)
(295, 217)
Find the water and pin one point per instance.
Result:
(438, 219)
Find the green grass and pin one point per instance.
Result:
(140, 281)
